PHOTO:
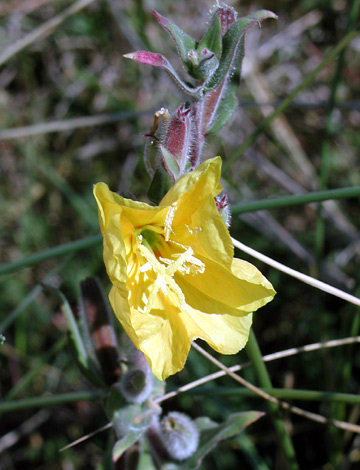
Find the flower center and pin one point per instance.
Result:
(149, 237)
(165, 269)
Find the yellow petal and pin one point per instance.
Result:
(226, 334)
(189, 286)
(206, 233)
(247, 271)
(134, 213)
(218, 290)
(161, 336)
(193, 188)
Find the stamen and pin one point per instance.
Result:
(194, 230)
(165, 270)
(168, 221)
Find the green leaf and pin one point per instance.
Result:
(96, 316)
(212, 38)
(224, 110)
(211, 434)
(124, 443)
(151, 155)
(77, 346)
(183, 41)
(233, 45)
(130, 423)
(205, 68)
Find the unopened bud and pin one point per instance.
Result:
(208, 63)
(180, 435)
(152, 154)
(193, 58)
(136, 386)
(227, 17)
(176, 144)
(136, 383)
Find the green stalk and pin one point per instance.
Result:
(55, 252)
(282, 394)
(320, 228)
(326, 163)
(52, 400)
(253, 350)
(287, 101)
(286, 201)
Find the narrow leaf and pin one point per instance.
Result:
(225, 106)
(83, 360)
(97, 320)
(212, 38)
(124, 443)
(130, 423)
(232, 42)
(183, 41)
(212, 434)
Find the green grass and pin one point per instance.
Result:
(72, 69)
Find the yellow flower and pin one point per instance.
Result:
(173, 274)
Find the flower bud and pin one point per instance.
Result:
(227, 17)
(207, 64)
(136, 386)
(176, 144)
(136, 383)
(179, 435)
(152, 154)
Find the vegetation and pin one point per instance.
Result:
(73, 112)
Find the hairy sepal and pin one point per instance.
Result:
(170, 162)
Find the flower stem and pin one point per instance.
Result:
(253, 350)
(42, 402)
(295, 200)
(55, 252)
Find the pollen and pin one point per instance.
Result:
(165, 269)
(169, 220)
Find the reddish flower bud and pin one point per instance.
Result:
(177, 140)
(227, 17)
